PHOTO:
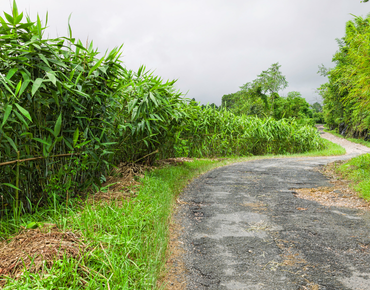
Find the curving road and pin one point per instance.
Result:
(244, 228)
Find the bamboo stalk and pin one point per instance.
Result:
(36, 158)
(17, 191)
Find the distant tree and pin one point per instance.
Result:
(317, 107)
(270, 81)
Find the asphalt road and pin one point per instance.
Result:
(244, 228)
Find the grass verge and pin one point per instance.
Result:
(357, 170)
(127, 242)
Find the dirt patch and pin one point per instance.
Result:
(339, 195)
(174, 275)
(121, 185)
(123, 182)
(37, 249)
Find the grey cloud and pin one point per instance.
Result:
(211, 46)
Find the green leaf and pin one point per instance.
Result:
(3, 24)
(11, 73)
(19, 18)
(36, 84)
(83, 144)
(12, 186)
(21, 119)
(8, 110)
(75, 137)
(42, 141)
(18, 87)
(39, 28)
(96, 66)
(11, 142)
(9, 18)
(15, 9)
(24, 112)
(58, 125)
(52, 78)
(44, 59)
(24, 86)
(32, 225)
(68, 144)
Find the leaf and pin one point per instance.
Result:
(18, 87)
(44, 59)
(75, 137)
(24, 112)
(3, 23)
(21, 119)
(24, 86)
(15, 9)
(11, 185)
(96, 66)
(19, 18)
(32, 225)
(36, 84)
(11, 73)
(11, 142)
(9, 18)
(42, 141)
(8, 110)
(58, 125)
(38, 26)
(52, 78)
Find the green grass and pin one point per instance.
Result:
(354, 140)
(134, 236)
(332, 149)
(358, 171)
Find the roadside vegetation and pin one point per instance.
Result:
(357, 170)
(346, 94)
(70, 120)
(347, 99)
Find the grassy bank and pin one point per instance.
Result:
(127, 240)
(357, 170)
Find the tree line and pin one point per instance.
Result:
(261, 98)
(346, 95)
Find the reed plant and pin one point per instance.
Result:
(56, 106)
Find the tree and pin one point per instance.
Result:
(317, 107)
(270, 81)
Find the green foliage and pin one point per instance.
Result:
(210, 133)
(56, 97)
(260, 98)
(358, 171)
(347, 94)
(149, 115)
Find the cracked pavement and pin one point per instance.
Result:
(244, 228)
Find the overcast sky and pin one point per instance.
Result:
(211, 46)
